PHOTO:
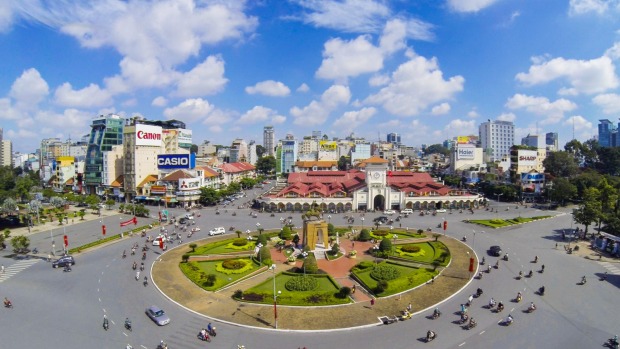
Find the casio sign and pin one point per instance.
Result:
(171, 161)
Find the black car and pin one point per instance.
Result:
(63, 261)
(381, 219)
(495, 251)
(183, 220)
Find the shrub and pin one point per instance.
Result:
(233, 264)
(382, 285)
(262, 239)
(301, 283)
(364, 265)
(331, 231)
(410, 248)
(420, 231)
(364, 235)
(210, 280)
(240, 242)
(185, 258)
(335, 249)
(264, 255)
(317, 298)
(384, 272)
(285, 233)
(385, 245)
(193, 246)
(238, 294)
(344, 292)
(381, 233)
(296, 239)
(253, 297)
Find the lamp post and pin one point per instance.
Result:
(362, 222)
(329, 218)
(258, 227)
(304, 254)
(53, 243)
(260, 258)
(275, 304)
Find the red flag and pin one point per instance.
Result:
(133, 221)
(389, 173)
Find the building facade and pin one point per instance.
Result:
(6, 149)
(393, 138)
(551, 141)
(106, 132)
(607, 133)
(496, 138)
(288, 154)
(269, 141)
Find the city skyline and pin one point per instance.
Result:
(428, 71)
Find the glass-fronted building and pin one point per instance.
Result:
(106, 132)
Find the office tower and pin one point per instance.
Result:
(393, 138)
(106, 132)
(269, 140)
(551, 140)
(496, 138)
(606, 133)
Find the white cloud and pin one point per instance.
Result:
(415, 85)
(343, 59)
(278, 119)
(553, 111)
(614, 51)
(29, 89)
(441, 109)
(379, 80)
(579, 7)
(6, 15)
(269, 88)
(90, 96)
(582, 126)
(8, 111)
(217, 118)
(347, 15)
(461, 127)
(469, 5)
(591, 76)
(610, 103)
(159, 101)
(507, 117)
(206, 78)
(259, 114)
(190, 110)
(317, 111)
(303, 88)
(351, 120)
(473, 114)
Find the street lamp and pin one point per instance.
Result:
(258, 227)
(275, 306)
(362, 222)
(260, 258)
(304, 254)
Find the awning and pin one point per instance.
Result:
(140, 198)
(154, 198)
(173, 200)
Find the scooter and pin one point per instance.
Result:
(128, 325)
(613, 343)
(67, 268)
(430, 336)
(204, 337)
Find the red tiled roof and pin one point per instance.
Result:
(176, 175)
(237, 167)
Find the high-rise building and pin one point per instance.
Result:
(551, 140)
(0, 134)
(106, 132)
(6, 151)
(535, 141)
(289, 154)
(238, 151)
(269, 140)
(496, 138)
(393, 138)
(607, 133)
(252, 157)
(317, 134)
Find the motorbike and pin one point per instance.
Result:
(506, 257)
(106, 325)
(518, 299)
(464, 239)
(436, 314)
(141, 266)
(8, 304)
(204, 337)
(67, 268)
(479, 292)
(134, 266)
(430, 335)
(128, 324)
(144, 256)
(509, 320)
(146, 282)
(162, 345)
(35, 250)
(471, 325)
(124, 254)
(583, 281)
(613, 343)
(483, 261)
(500, 308)
(212, 332)
(530, 309)
(529, 275)
(541, 291)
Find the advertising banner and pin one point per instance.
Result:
(185, 138)
(148, 135)
(465, 153)
(176, 161)
(527, 157)
(158, 189)
(532, 177)
(328, 145)
(462, 139)
(189, 184)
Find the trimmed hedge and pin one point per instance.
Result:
(95, 243)
(384, 272)
(410, 248)
(302, 283)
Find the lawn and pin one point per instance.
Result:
(428, 253)
(323, 294)
(401, 234)
(409, 277)
(226, 246)
(198, 272)
(501, 223)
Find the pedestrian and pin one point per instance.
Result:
(353, 289)
(2, 268)
(372, 301)
(352, 244)
(409, 307)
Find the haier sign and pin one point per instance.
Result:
(465, 153)
(175, 161)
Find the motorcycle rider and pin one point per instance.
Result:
(530, 273)
(135, 265)
(536, 259)
(436, 313)
(430, 335)
(541, 290)
(583, 279)
(491, 303)
(203, 334)
(500, 306)
(519, 296)
(483, 260)
(7, 302)
(520, 274)
(497, 265)
(105, 322)
(472, 322)
(210, 328)
(124, 253)
(532, 307)
(128, 323)
(509, 319)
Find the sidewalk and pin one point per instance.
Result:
(171, 281)
(54, 225)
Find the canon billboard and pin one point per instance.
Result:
(148, 135)
(176, 161)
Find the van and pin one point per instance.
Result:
(407, 211)
(217, 231)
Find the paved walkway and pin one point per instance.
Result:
(220, 305)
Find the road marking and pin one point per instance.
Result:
(511, 310)
(125, 334)
(612, 267)
(462, 344)
(99, 300)
(481, 332)
(142, 346)
(16, 268)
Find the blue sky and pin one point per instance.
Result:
(427, 69)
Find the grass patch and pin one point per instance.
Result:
(409, 278)
(400, 234)
(430, 252)
(324, 291)
(95, 243)
(501, 223)
(198, 273)
(226, 246)
(331, 256)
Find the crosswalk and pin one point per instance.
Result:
(613, 268)
(16, 267)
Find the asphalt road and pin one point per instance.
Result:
(60, 309)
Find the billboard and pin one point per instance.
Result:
(462, 139)
(328, 145)
(185, 138)
(527, 157)
(148, 135)
(189, 184)
(176, 161)
(465, 153)
(532, 177)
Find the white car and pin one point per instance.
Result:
(407, 211)
(217, 231)
(389, 212)
(441, 210)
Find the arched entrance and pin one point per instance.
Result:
(379, 202)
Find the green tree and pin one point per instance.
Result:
(286, 233)
(20, 243)
(22, 188)
(247, 183)
(57, 202)
(590, 210)
(343, 163)
(437, 149)
(9, 206)
(562, 190)
(193, 149)
(264, 255)
(385, 245)
(588, 178)
(335, 249)
(266, 165)
(561, 164)
(82, 213)
(364, 235)
(209, 196)
(109, 203)
(296, 239)
(262, 239)
(609, 160)
(260, 150)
